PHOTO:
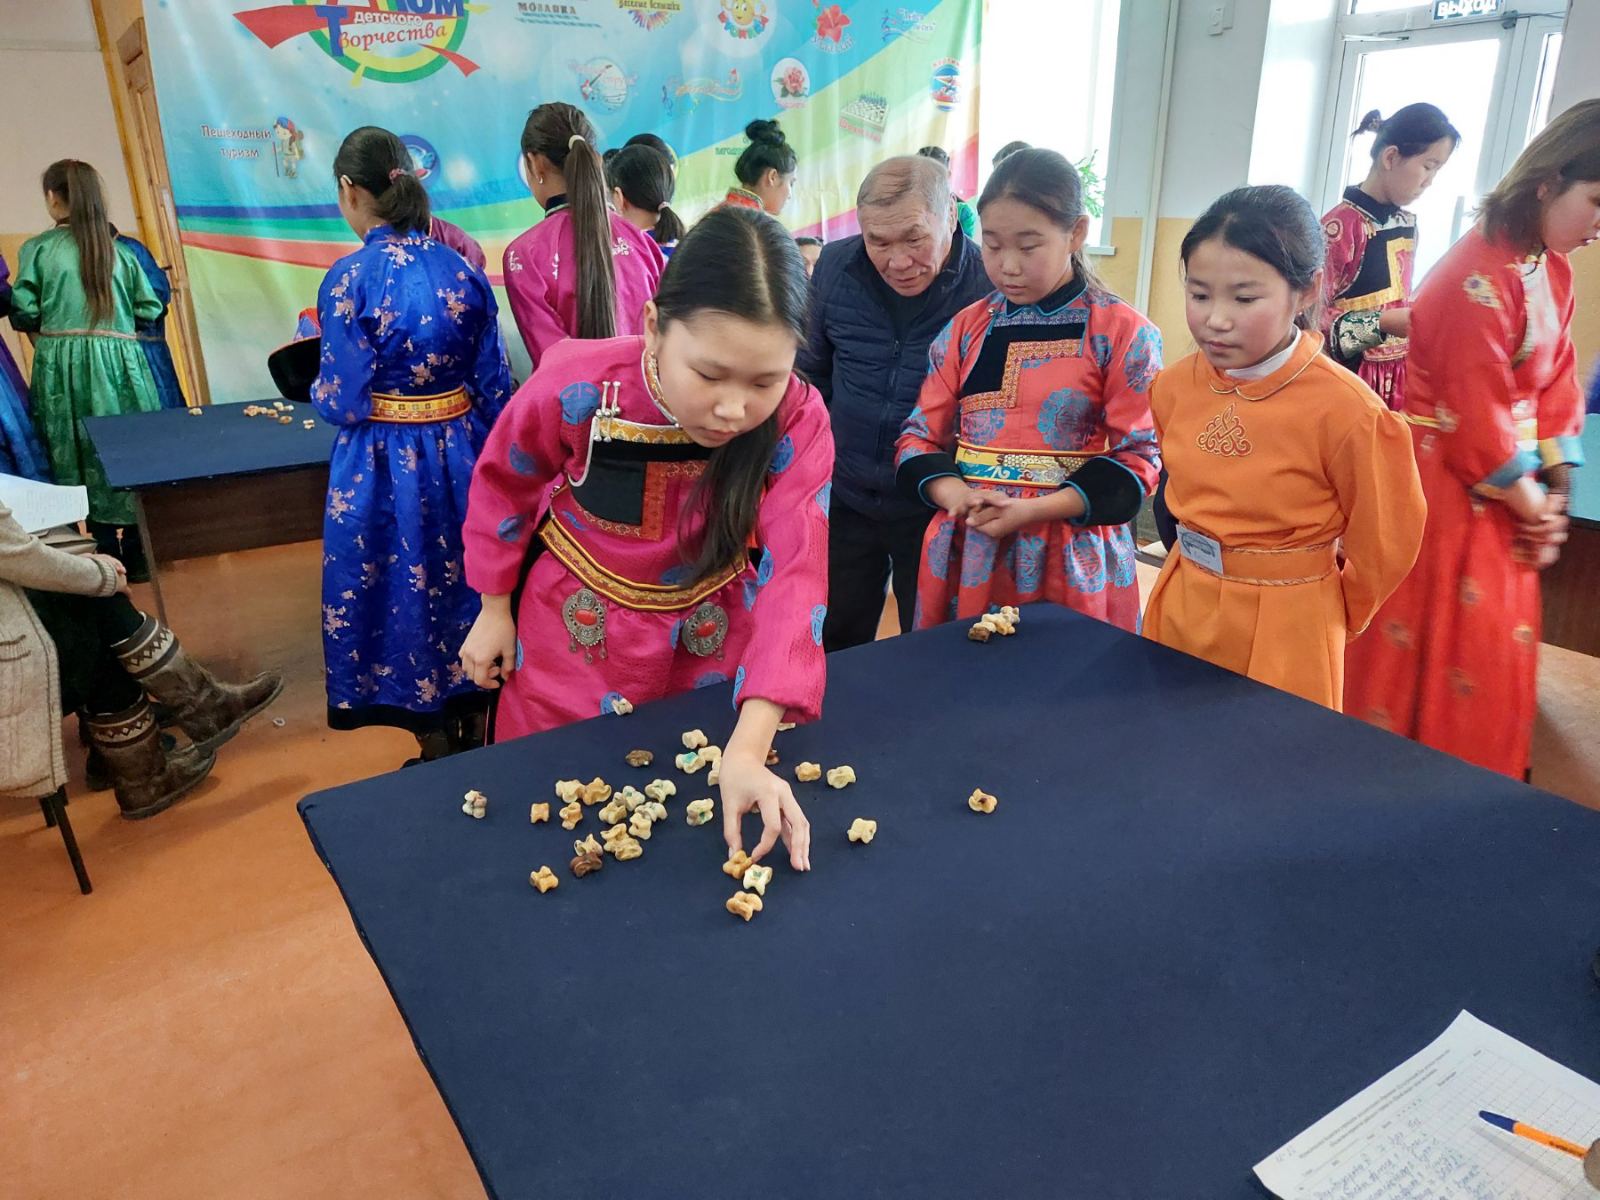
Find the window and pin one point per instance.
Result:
(1033, 92)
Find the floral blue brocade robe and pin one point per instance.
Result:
(414, 373)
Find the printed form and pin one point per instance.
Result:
(1415, 1134)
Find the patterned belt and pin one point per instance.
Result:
(1527, 428)
(1275, 568)
(1023, 468)
(390, 409)
(645, 597)
(106, 333)
(1392, 350)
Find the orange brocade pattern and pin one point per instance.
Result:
(1452, 658)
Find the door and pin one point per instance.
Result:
(1492, 79)
(152, 190)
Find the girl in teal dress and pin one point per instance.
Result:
(80, 294)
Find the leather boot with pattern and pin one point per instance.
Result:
(146, 778)
(204, 707)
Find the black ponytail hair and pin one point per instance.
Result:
(644, 177)
(744, 263)
(768, 150)
(374, 159)
(1044, 180)
(561, 133)
(1411, 130)
(1275, 224)
(658, 144)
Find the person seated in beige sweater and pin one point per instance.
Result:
(71, 640)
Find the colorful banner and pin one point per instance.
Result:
(255, 98)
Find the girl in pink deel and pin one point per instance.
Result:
(671, 492)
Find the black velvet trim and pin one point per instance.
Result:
(1113, 492)
(915, 472)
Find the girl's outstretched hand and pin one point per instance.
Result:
(748, 785)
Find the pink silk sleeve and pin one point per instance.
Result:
(533, 306)
(784, 661)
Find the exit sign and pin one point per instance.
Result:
(1455, 10)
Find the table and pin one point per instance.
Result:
(217, 482)
(1571, 588)
(1203, 915)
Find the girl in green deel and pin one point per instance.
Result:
(81, 295)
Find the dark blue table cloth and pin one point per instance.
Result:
(143, 450)
(1204, 914)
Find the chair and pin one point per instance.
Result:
(55, 816)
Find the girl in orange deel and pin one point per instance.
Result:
(1294, 488)
(1495, 411)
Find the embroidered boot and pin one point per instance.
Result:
(204, 707)
(147, 779)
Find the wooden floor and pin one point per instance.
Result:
(207, 1025)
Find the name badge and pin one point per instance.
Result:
(1201, 550)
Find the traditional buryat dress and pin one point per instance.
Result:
(587, 462)
(1371, 247)
(414, 373)
(1026, 400)
(743, 197)
(1271, 471)
(1452, 657)
(79, 371)
(153, 334)
(541, 275)
(20, 451)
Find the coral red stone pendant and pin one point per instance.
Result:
(706, 630)
(585, 617)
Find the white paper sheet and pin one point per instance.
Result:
(1416, 1135)
(40, 506)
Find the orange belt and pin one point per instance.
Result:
(1275, 568)
(390, 409)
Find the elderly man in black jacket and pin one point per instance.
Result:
(877, 300)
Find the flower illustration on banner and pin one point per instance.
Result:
(744, 19)
(791, 83)
(831, 26)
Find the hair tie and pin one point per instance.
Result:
(663, 206)
(396, 173)
(575, 139)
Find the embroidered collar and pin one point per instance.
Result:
(557, 202)
(744, 198)
(1378, 211)
(1304, 354)
(1055, 301)
(652, 384)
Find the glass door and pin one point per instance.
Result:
(1491, 78)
